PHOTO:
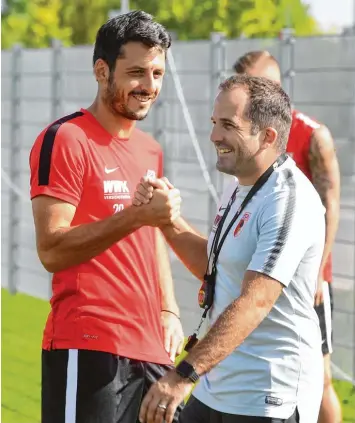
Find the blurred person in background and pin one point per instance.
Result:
(312, 147)
(114, 325)
(261, 359)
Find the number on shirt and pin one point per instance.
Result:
(118, 207)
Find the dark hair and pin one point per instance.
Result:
(268, 106)
(248, 60)
(133, 26)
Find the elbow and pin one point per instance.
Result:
(50, 261)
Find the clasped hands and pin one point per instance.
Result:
(159, 201)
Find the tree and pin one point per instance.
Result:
(35, 22)
(192, 19)
(268, 17)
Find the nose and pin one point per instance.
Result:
(149, 84)
(215, 134)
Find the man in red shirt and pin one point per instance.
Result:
(312, 147)
(114, 324)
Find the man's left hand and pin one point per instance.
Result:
(168, 393)
(173, 334)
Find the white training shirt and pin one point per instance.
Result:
(280, 365)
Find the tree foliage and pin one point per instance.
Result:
(268, 17)
(34, 23)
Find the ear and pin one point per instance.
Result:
(101, 71)
(269, 136)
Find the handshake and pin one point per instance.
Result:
(158, 200)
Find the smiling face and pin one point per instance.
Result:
(236, 147)
(135, 83)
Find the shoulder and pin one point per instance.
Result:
(301, 119)
(290, 187)
(68, 131)
(61, 141)
(322, 139)
(146, 140)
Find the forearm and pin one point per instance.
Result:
(232, 327)
(168, 300)
(188, 245)
(331, 227)
(75, 245)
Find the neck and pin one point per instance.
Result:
(116, 125)
(259, 168)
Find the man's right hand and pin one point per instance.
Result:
(161, 207)
(145, 188)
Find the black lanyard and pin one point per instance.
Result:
(206, 293)
(216, 245)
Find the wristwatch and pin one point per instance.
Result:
(187, 371)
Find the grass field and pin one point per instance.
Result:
(23, 318)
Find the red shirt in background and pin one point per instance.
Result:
(298, 148)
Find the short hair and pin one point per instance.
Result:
(136, 26)
(268, 105)
(248, 60)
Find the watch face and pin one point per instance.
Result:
(185, 369)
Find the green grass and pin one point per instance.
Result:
(23, 319)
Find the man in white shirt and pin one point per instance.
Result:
(260, 360)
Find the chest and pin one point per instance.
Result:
(112, 175)
(240, 242)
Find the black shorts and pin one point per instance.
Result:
(197, 412)
(325, 313)
(80, 386)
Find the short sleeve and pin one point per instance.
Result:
(57, 165)
(283, 237)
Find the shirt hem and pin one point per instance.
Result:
(49, 345)
(281, 412)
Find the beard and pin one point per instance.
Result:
(239, 162)
(115, 101)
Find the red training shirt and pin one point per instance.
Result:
(298, 148)
(112, 302)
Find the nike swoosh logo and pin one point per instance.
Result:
(110, 170)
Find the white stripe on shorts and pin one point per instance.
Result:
(72, 386)
(327, 315)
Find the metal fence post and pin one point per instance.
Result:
(14, 170)
(287, 60)
(57, 80)
(217, 68)
(352, 138)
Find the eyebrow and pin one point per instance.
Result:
(140, 68)
(136, 68)
(226, 120)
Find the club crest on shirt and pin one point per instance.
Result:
(241, 223)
